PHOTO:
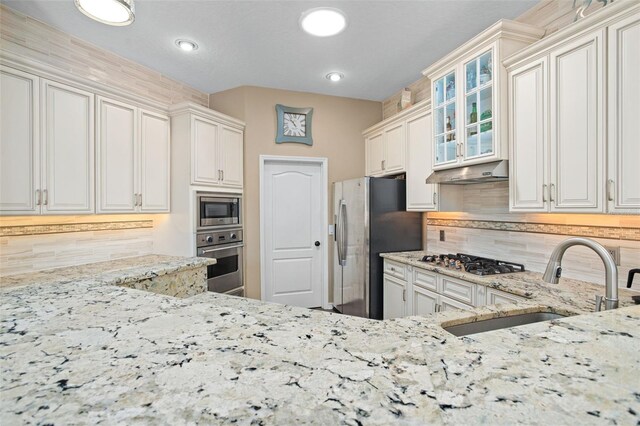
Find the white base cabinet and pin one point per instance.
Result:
(409, 290)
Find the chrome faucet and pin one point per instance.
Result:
(554, 269)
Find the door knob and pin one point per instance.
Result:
(317, 243)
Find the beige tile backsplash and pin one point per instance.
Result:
(29, 253)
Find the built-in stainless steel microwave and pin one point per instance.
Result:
(218, 211)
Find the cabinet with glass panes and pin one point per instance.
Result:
(469, 96)
(445, 141)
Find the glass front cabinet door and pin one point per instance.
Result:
(478, 106)
(445, 140)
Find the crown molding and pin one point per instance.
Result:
(193, 108)
(421, 107)
(599, 19)
(503, 29)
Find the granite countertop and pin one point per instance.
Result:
(84, 352)
(113, 272)
(569, 296)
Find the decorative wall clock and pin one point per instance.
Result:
(294, 125)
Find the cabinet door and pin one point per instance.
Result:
(528, 137)
(623, 191)
(420, 195)
(117, 157)
(154, 162)
(19, 142)
(231, 147)
(424, 301)
(496, 297)
(447, 304)
(375, 154)
(68, 149)
(395, 297)
(395, 146)
(204, 152)
(577, 154)
(446, 135)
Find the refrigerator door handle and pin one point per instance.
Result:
(343, 234)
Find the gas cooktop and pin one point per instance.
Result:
(474, 264)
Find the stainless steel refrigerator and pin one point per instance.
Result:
(370, 219)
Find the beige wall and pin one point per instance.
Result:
(337, 135)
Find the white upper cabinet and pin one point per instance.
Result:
(133, 159)
(576, 125)
(623, 180)
(561, 159)
(117, 156)
(19, 143)
(420, 195)
(67, 149)
(209, 144)
(205, 168)
(374, 149)
(528, 163)
(469, 96)
(231, 157)
(394, 149)
(154, 162)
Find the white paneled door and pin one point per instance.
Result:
(19, 143)
(68, 149)
(293, 238)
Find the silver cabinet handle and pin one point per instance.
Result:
(38, 198)
(435, 198)
(45, 195)
(392, 268)
(140, 199)
(544, 192)
(222, 173)
(135, 199)
(610, 190)
(404, 295)
(552, 192)
(383, 164)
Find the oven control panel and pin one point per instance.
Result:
(230, 236)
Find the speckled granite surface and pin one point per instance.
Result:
(114, 272)
(568, 295)
(82, 352)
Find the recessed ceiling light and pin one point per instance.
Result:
(110, 12)
(186, 45)
(334, 76)
(323, 21)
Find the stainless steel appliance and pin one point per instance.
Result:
(218, 211)
(370, 219)
(226, 247)
(473, 264)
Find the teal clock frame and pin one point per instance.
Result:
(281, 138)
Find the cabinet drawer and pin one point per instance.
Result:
(447, 304)
(395, 269)
(425, 279)
(457, 289)
(495, 297)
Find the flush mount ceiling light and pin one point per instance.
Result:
(110, 12)
(334, 76)
(323, 21)
(186, 45)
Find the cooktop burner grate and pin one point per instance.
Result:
(474, 264)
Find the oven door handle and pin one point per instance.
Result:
(202, 251)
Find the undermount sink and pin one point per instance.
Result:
(500, 323)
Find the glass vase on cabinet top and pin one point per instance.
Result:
(478, 90)
(444, 90)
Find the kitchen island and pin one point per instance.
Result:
(86, 351)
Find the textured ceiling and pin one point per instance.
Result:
(259, 43)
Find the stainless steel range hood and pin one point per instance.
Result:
(478, 173)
